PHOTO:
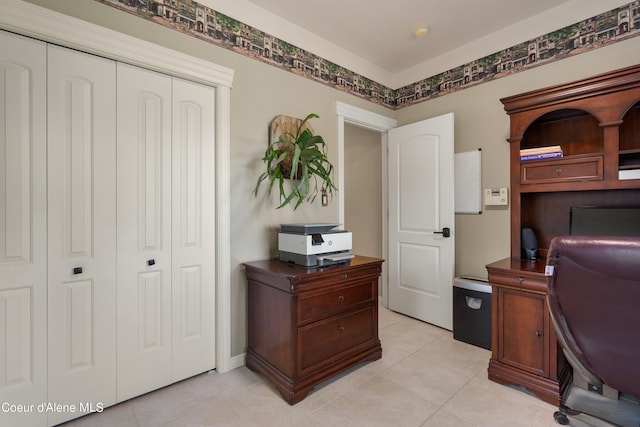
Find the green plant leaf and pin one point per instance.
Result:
(308, 153)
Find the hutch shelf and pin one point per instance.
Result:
(596, 121)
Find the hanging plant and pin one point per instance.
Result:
(297, 163)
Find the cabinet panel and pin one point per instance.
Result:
(23, 226)
(320, 343)
(270, 325)
(521, 338)
(580, 169)
(314, 306)
(333, 277)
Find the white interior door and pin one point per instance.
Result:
(193, 241)
(23, 227)
(421, 215)
(144, 231)
(82, 233)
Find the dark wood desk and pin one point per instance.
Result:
(308, 324)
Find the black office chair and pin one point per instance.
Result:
(594, 301)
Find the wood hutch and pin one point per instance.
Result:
(307, 324)
(596, 121)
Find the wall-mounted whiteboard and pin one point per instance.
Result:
(468, 182)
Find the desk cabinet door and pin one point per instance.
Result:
(522, 340)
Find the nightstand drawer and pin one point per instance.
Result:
(333, 275)
(522, 282)
(322, 341)
(576, 169)
(318, 305)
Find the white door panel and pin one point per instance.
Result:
(193, 240)
(81, 218)
(144, 231)
(421, 205)
(23, 263)
(417, 175)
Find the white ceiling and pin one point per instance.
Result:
(381, 31)
(374, 37)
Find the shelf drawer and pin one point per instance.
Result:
(324, 342)
(332, 275)
(577, 169)
(318, 305)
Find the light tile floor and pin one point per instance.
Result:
(424, 378)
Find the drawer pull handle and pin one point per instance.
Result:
(77, 270)
(521, 280)
(344, 276)
(538, 334)
(341, 329)
(151, 262)
(340, 298)
(558, 171)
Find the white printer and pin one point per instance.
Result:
(313, 245)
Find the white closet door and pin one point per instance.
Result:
(82, 234)
(193, 221)
(144, 231)
(23, 248)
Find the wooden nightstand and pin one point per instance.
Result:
(308, 324)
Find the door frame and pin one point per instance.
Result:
(366, 119)
(53, 27)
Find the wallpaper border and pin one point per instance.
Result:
(202, 22)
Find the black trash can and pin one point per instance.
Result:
(472, 312)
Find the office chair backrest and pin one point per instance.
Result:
(594, 301)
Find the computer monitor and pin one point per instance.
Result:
(605, 221)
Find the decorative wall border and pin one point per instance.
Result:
(207, 24)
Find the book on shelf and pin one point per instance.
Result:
(629, 174)
(541, 150)
(540, 156)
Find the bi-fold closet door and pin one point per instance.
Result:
(81, 180)
(23, 228)
(165, 230)
(106, 272)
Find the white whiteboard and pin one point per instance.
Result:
(468, 182)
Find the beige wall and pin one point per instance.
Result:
(261, 92)
(481, 122)
(363, 189)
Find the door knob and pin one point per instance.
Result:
(446, 232)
